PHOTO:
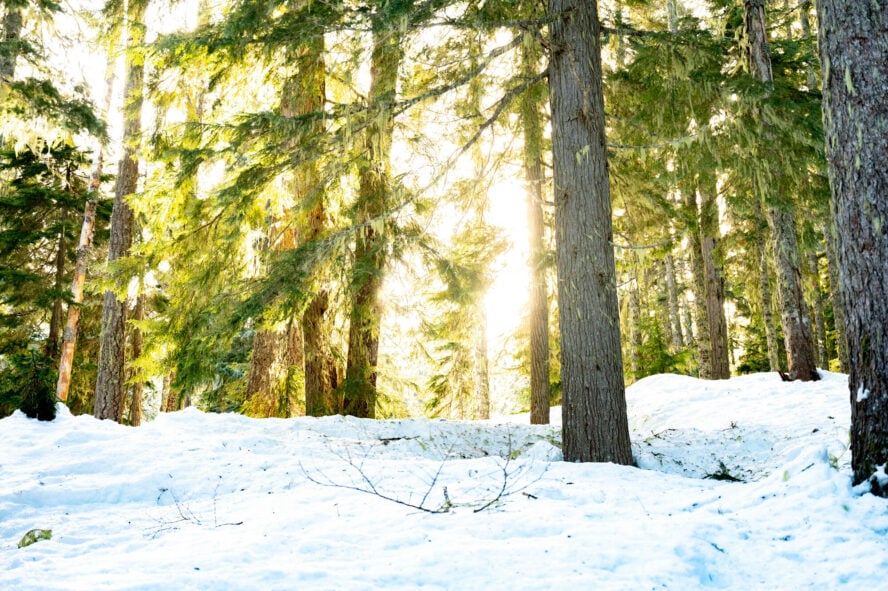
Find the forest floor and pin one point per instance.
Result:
(741, 484)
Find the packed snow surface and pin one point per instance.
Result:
(202, 501)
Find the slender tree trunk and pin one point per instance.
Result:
(797, 333)
(767, 306)
(138, 381)
(838, 314)
(701, 313)
(482, 373)
(112, 355)
(854, 54)
(370, 247)
(674, 311)
(714, 288)
(817, 308)
(539, 301)
(634, 328)
(804, 20)
(169, 398)
(595, 424)
(55, 321)
(672, 14)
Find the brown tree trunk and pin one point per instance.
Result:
(306, 97)
(112, 355)
(370, 243)
(780, 213)
(595, 424)
(634, 328)
(266, 364)
(714, 288)
(854, 54)
(539, 300)
(169, 397)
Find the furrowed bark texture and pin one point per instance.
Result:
(138, 381)
(797, 333)
(854, 58)
(714, 288)
(112, 355)
(539, 301)
(595, 424)
(370, 247)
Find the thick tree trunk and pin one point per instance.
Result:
(266, 364)
(674, 310)
(781, 217)
(307, 96)
(854, 55)
(539, 300)
(714, 288)
(595, 424)
(55, 321)
(370, 247)
(112, 355)
(169, 398)
(698, 275)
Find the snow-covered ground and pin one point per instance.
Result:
(199, 501)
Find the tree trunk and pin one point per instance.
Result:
(138, 380)
(674, 311)
(266, 364)
(714, 288)
(595, 424)
(169, 398)
(854, 54)
(12, 30)
(832, 258)
(767, 306)
(634, 328)
(370, 243)
(305, 97)
(817, 308)
(482, 373)
(55, 321)
(698, 274)
(781, 217)
(539, 300)
(112, 355)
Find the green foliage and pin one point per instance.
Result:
(28, 382)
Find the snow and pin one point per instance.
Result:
(201, 501)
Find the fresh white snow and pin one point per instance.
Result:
(201, 501)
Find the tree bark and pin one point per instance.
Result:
(595, 424)
(12, 30)
(854, 56)
(780, 213)
(55, 321)
(539, 300)
(482, 372)
(370, 246)
(138, 380)
(838, 313)
(112, 355)
(714, 288)
(634, 327)
(674, 310)
(698, 274)
(817, 308)
(767, 306)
